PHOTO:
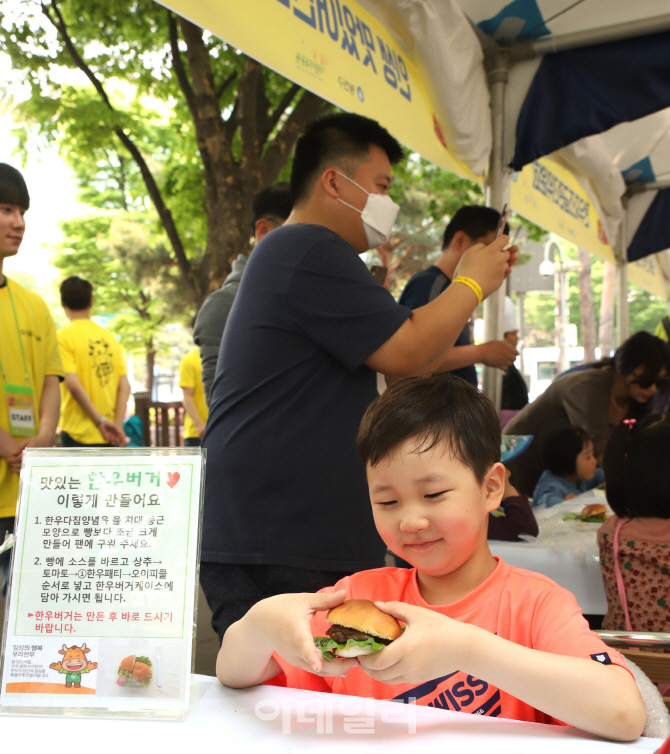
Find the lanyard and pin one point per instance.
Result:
(18, 332)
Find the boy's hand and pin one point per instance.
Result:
(488, 265)
(431, 646)
(284, 622)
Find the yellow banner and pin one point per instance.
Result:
(549, 195)
(338, 50)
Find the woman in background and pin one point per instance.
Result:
(597, 399)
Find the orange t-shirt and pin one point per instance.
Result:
(522, 606)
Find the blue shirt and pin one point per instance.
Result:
(284, 485)
(551, 489)
(420, 290)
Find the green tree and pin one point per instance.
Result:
(133, 277)
(222, 126)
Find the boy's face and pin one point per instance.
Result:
(12, 227)
(430, 509)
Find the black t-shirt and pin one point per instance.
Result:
(284, 485)
(420, 290)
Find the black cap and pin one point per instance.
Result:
(13, 189)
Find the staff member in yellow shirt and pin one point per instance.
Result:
(195, 403)
(30, 365)
(96, 388)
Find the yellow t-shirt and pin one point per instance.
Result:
(190, 375)
(660, 332)
(92, 353)
(38, 334)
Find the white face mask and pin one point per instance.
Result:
(378, 215)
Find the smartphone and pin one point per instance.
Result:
(502, 222)
(379, 273)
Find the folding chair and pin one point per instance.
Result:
(632, 644)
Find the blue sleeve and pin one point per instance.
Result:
(550, 490)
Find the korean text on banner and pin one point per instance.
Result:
(102, 595)
(549, 195)
(338, 50)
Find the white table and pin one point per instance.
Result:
(579, 574)
(269, 719)
(565, 551)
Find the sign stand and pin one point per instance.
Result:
(101, 609)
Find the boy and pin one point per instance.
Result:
(482, 637)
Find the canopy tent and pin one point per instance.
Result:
(469, 85)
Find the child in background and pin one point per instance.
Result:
(570, 467)
(635, 543)
(482, 637)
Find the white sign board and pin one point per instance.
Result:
(102, 594)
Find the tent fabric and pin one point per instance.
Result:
(453, 63)
(653, 232)
(588, 91)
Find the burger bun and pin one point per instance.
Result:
(362, 615)
(595, 509)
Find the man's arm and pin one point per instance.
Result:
(432, 329)
(108, 429)
(122, 395)
(208, 332)
(8, 445)
(192, 410)
(496, 353)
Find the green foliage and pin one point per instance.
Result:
(131, 272)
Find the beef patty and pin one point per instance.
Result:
(340, 634)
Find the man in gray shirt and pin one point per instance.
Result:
(270, 208)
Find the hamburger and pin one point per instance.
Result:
(359, 628)
(135, 672)
(594, 510)
(596, 513)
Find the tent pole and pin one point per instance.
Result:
(562, 42)
(498, 73)
(623, 318)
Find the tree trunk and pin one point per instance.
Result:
(587, 310)
(606, 331)
(151, 360)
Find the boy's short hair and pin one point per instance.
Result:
(634, 459)
(441, 408)
(561, 448)
(76, 293)
(342, 140)
(272, 203)
(474, 220)
(13, 189)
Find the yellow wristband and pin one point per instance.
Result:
(472, 284)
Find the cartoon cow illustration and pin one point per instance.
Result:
(73, 664)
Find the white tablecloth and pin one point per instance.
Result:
(580, 574)
(270, 719)
(566, 552)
